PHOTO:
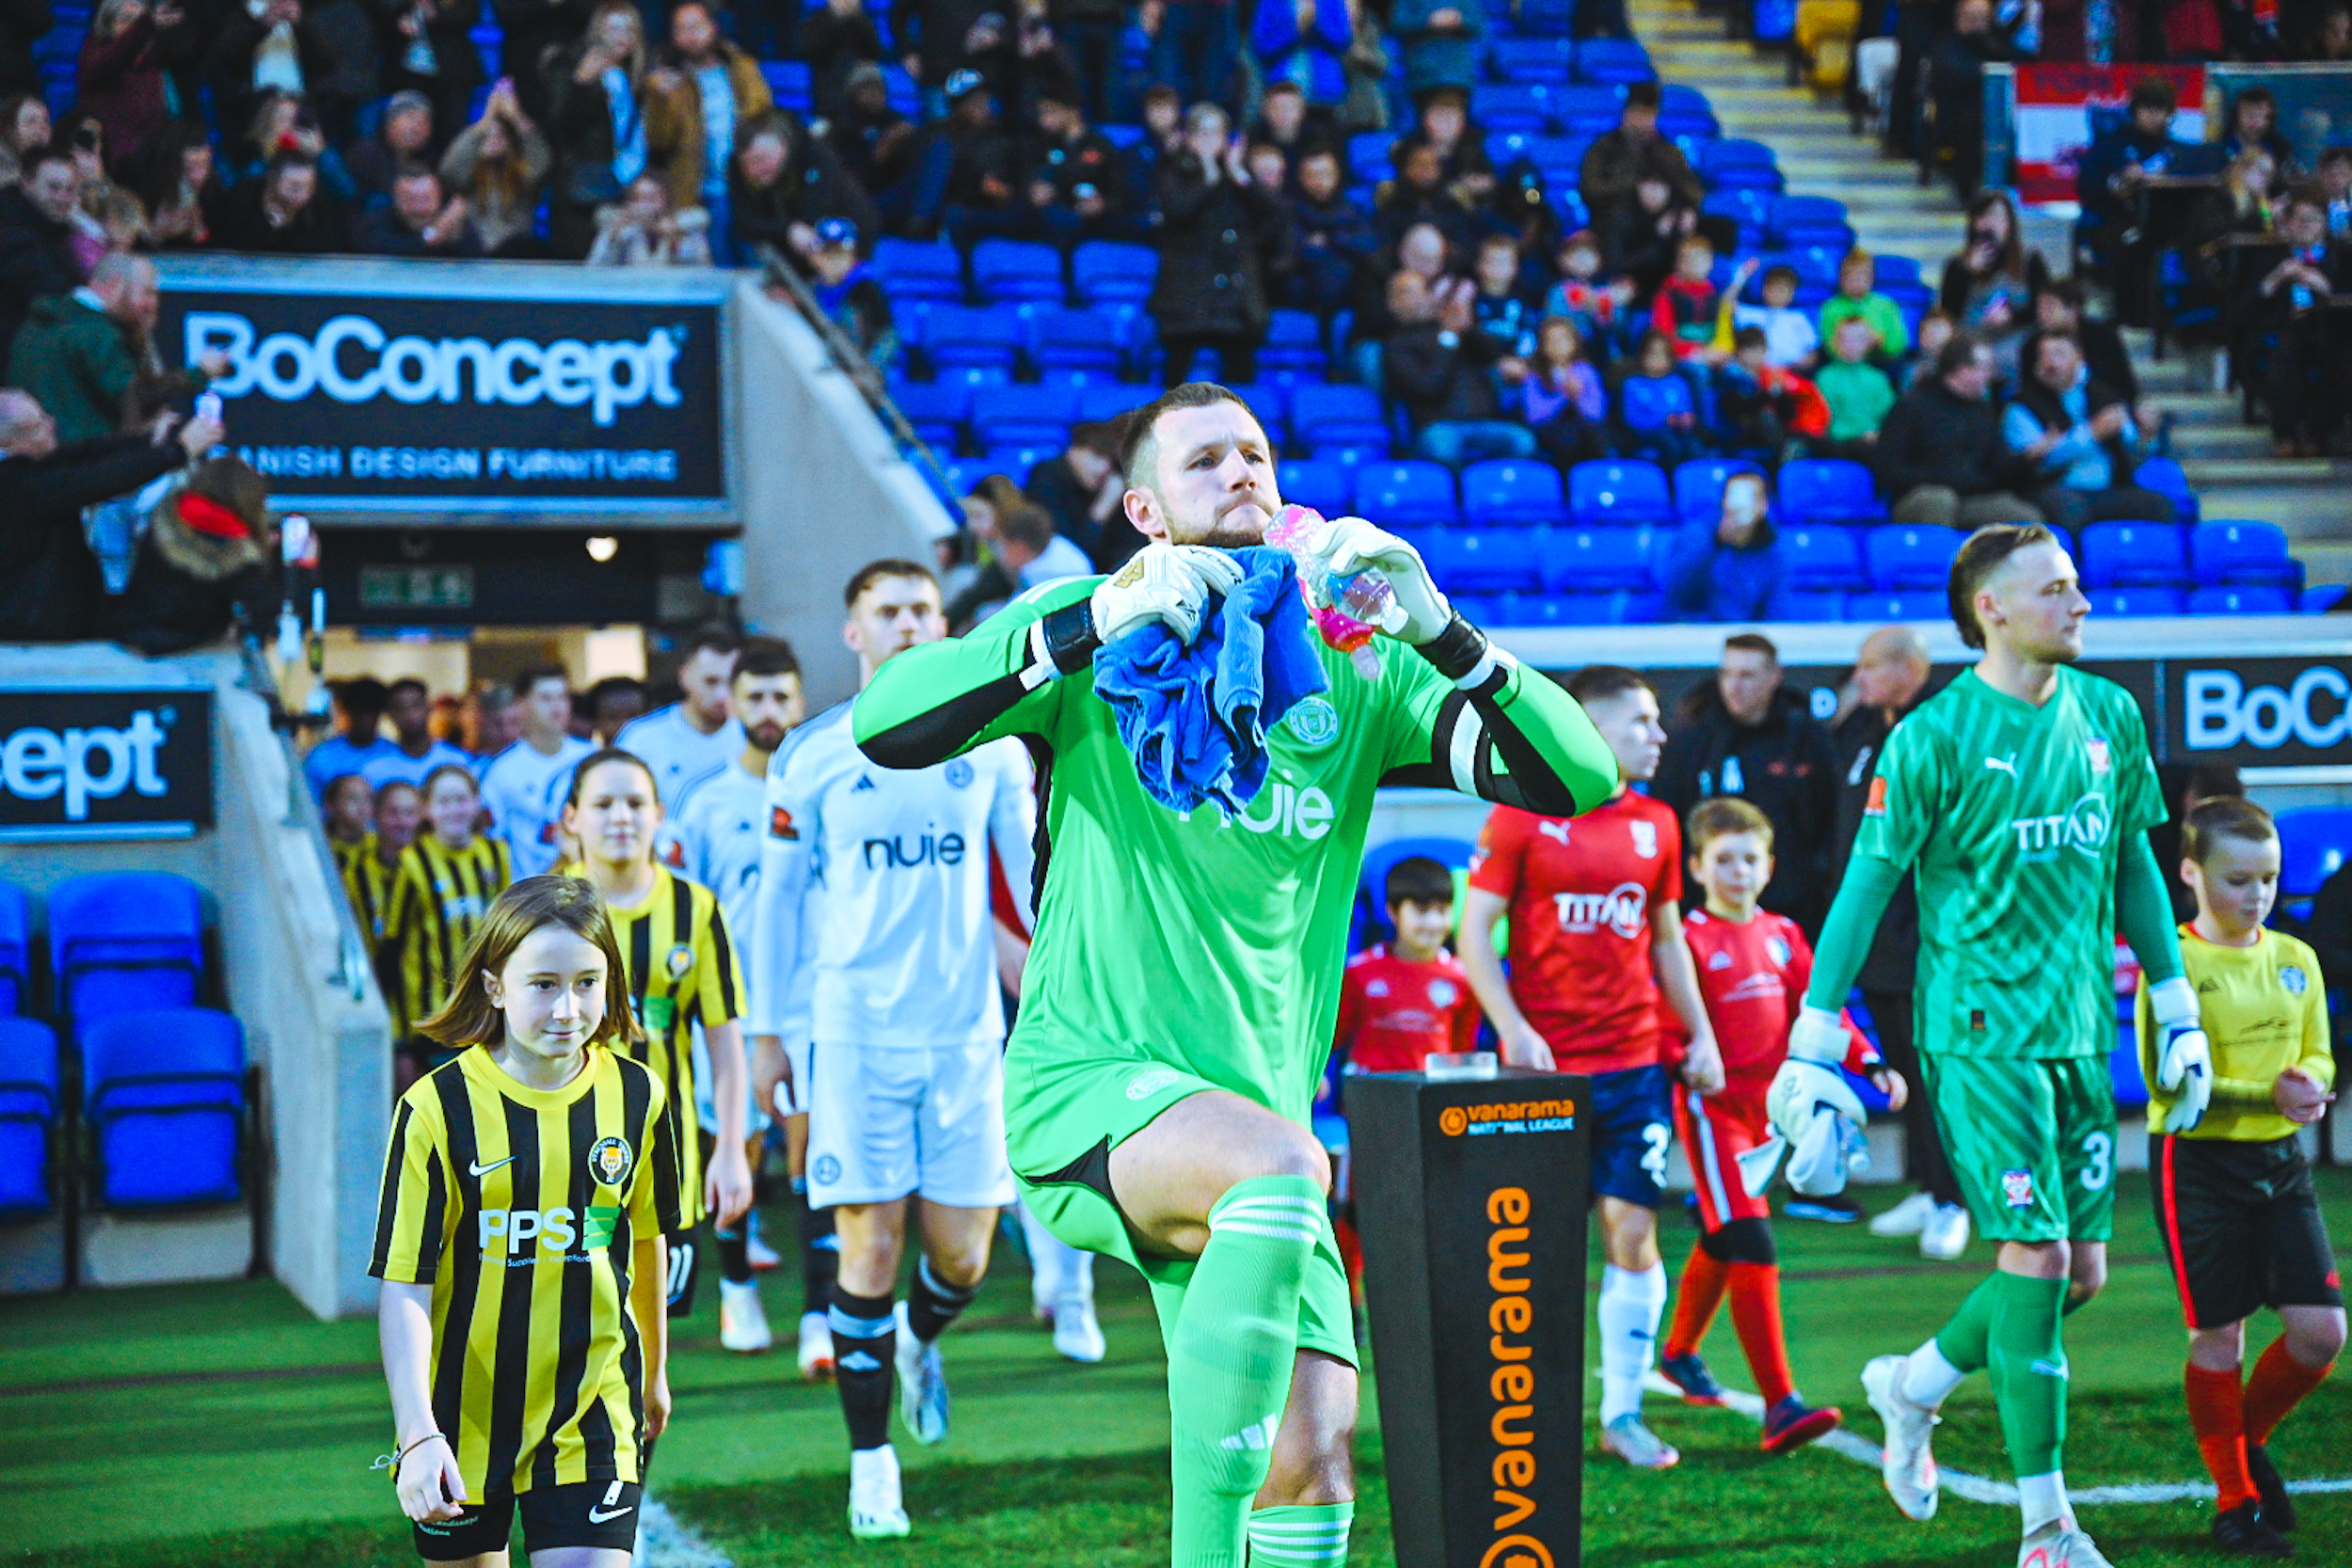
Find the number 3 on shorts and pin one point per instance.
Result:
(2099, 1149)
(1654, 1139)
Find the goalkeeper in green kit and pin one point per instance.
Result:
(1181, 993)
(2020, 796)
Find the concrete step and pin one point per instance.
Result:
(2218, 443)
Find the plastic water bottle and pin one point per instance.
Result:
(1347, 610)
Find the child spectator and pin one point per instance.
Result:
(1333, 235)
(1656, 412)
(1558, 395)
(1752, 969)
(1598, 307)
(641, 230)
(1500, 310)
(1406, 1000)
(1857, 391)
(2233, 1198)
(1728, 568)
(1763, 408)
(1790, 342)
(1935, 330)
(1642, 234)
(1857, 297)
(1689, 310)
(850, 298)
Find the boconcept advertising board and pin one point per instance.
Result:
(466, 389)
(104, 763)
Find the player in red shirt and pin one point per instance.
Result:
(1596, 938)
(1402, 1001)
(1752, 969)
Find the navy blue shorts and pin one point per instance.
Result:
(1632, 1126)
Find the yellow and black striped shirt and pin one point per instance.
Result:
(520, 1208)
(437, 899)
(682, 970)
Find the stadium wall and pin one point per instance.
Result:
(824, 490)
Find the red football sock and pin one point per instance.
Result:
(1696, 1300)
(1756, 1314)
(2216, 1415)
(2277, 1385)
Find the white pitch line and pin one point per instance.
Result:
(1982, 1489)
(664, 1541)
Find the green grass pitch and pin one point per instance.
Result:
(189, 1426)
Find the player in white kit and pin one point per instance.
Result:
(905, 1073)
(698, 734)
(524, 787)
(714, 839)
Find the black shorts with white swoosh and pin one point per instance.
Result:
(587, 1513)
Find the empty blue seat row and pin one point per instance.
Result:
(164, 1100)
(2231, 554)
(124, 941)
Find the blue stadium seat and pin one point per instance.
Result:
(1109, 272)
(1613, 61)
(1811, 606)
(1698, 484)
(1511, 492)
(124, 940)
(955, 337)
(1013, 271)
(1293, 350)
(1367, 161)
(1550, 19)
(1487, 610)
(2241, 601)
(2314, 843)
(1547, 153)
(788, 83)
(1014, 462)
(1513, 106)
(1371, 883)
(1544, 60)
(2135, 601)
(2134, 555)
(904, 96)
(1409, 494)
(1829, 490)
(16, 963)
(1744, 207)
(1619, 491)
(1598, 560)
(2164, 476)
(1903, 557)
(1269, 402)
(1586, 109)
(1734, 152)
(1341, 416)
(1025, 416)
(1109, 400)
(1316, 483)
(1918, 604)
(1484, 561)
(937, 410)
(964, 474)
(2237, 553)
(1800, 222)
(163, 1096)
(1821, 556)
(28, 1118)
(1895, 271)
(912, 270)
(2323, 599)
(1062, 340)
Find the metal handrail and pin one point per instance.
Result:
(352, 964)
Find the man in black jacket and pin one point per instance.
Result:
(36, 233)
(49, 587)
(2124, 222)
(1442, 367)
(1745, 734)
(1941, 459)
(1890, 678)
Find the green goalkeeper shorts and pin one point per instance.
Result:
(2031, 1141)
(1062, 1119)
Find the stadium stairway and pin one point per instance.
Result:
(2227, 462)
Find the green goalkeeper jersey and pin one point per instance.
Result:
(1212, 945)
(2013, 817)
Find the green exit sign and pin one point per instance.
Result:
(416, 587)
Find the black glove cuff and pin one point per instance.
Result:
(1069, 636)
(1454, 652)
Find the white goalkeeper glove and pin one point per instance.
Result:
(1807, 1084)
(2183, 1059)
(1169, 585)
(1346, 546)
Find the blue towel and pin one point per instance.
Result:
(1196, 717)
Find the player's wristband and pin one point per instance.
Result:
(1462, 654)
(2172, 1002)
(1062, 642)
(393, 1461)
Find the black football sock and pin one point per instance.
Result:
(734, 1252)
(821, 1254)
(866, 1340)
(931, 1305)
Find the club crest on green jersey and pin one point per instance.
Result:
(1313, 722)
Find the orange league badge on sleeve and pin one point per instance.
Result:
(1874, 805)
(780, 824)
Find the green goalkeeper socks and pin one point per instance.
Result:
(1966, 1339)
(1229, 1355)
(2028, 1367)
(1301, 1536)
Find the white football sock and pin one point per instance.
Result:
(2043, 1499)
(1928, 1378)
(1631, 1305)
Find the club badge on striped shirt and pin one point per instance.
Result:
(611, 1161)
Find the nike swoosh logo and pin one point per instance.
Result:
(477, 1169)
(605, 1516)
